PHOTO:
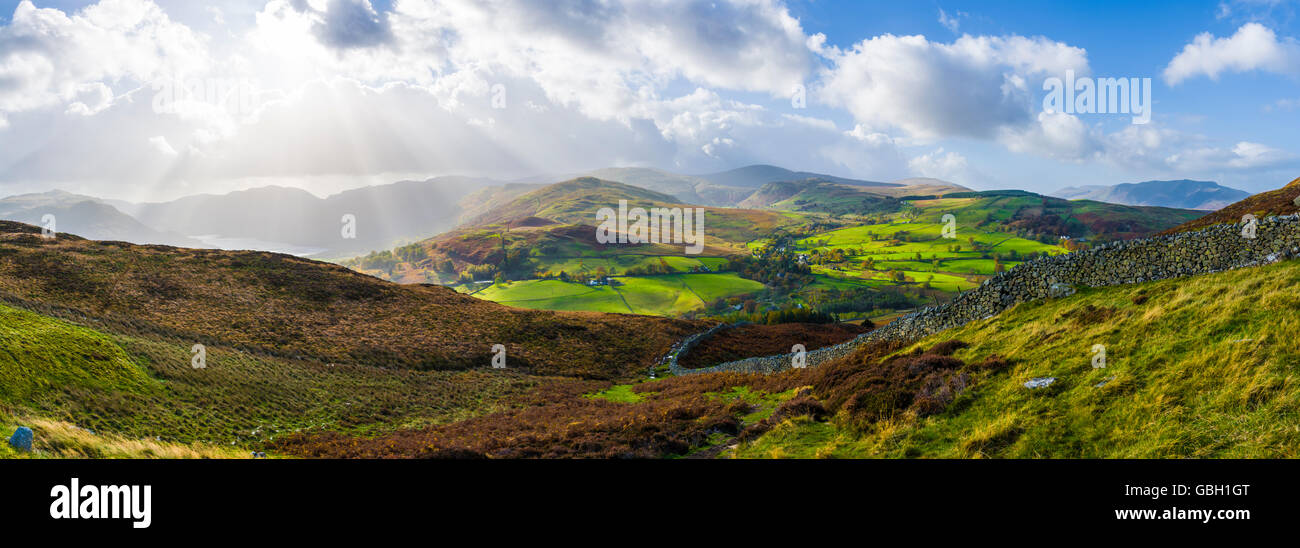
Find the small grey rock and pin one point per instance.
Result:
(1040, 382)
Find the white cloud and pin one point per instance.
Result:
(1245, 156)
(50, 58)
(162, 146)
(346, 91)
(1053, 135)
(1287, 105)
(1252, 47)
(950, 22)
(939, 164)
(910, 83)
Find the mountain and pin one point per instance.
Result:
(281, 218)
(687, 189)
(86, 216)
(832, 197)
(1181, 194)
(547, 227)
(576, 200)
(483, 201)
(1283, 201)
(758, 175)
(725, 189)
(818, 195)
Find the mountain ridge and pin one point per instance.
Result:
(1181, 194)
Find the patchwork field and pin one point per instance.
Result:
(916, 253)
(664, 295)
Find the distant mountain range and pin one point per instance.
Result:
(291, 220)
(294, 220)
(87, 217)
(1183, 194)
(758, 175)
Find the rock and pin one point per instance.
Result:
(1040, 382)
(22, 439)
(1103, 382)
(1058, 290)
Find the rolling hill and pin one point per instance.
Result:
(287, 306)
(826, 196)
(1182, 194)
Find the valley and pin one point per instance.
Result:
(310, 359)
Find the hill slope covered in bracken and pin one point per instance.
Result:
(290, 306)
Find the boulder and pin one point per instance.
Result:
(22, 439)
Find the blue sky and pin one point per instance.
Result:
(343, 93)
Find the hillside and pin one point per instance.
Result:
(821, 195)
(287, 306)
(684, 188)
(556, 224)
(1283, 201)
(91, 393)
(490, 198)
(1224, 390)
(1182, 194)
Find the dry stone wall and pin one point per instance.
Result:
(1214, 249)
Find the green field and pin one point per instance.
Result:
(876, 253)
(554, 295)
(665, 295)
(589, 262)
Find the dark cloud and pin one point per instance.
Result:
(350, 24)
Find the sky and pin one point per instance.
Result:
(149, 100)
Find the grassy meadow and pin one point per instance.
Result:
(1195, 367)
